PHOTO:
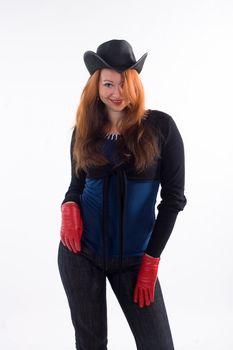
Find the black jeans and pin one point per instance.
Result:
(84, 280)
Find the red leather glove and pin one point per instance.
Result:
(144, 291)
(71, 226)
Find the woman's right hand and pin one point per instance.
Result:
(71, 226)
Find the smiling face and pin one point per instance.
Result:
(110, 90)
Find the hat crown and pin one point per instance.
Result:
(117, 53)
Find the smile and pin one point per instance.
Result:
(117, 102)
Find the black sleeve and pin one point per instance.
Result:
(77, 182)
(172, 186)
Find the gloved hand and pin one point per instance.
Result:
(71, 226)
(145, 286)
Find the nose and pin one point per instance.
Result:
(117, 93)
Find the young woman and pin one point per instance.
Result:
(120, 155)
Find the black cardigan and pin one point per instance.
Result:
(168, 170)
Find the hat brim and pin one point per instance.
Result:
(94, 62)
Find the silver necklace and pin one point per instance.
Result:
(112, 135)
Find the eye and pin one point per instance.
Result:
(108, 85)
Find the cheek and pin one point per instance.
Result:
(103, 94)
(100, 91)
(102, 97)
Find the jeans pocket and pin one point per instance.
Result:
(66, 250)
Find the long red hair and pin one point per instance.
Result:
(91, 122)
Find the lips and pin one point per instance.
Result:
(117, 102)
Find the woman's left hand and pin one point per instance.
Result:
(147, 276)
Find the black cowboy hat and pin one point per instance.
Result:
(113, 54)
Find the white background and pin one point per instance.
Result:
(188, 74)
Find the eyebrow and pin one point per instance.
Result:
(110, 81)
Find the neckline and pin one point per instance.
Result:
(112, 135)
